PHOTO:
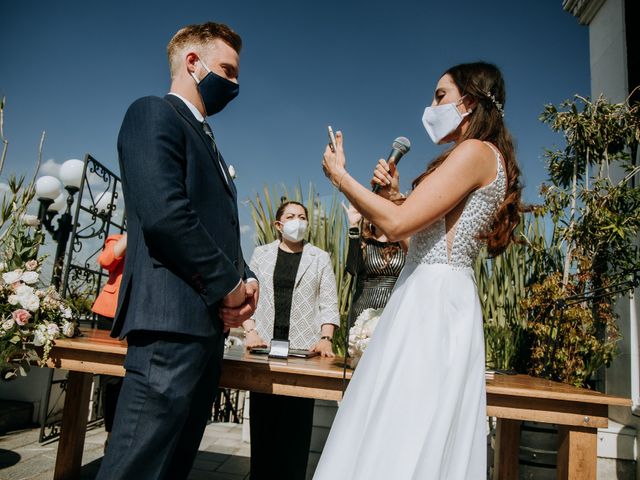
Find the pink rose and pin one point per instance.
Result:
(21, 316)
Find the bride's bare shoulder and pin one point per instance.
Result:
(477, 156)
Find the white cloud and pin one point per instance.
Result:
(244, 229)
(94, 179)
(50, 167)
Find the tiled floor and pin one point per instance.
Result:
(222, 456)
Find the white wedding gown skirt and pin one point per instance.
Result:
(416, 405)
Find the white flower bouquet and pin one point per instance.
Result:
(30, 320)
(361, 332)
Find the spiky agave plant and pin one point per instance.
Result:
(503, 283)
(327, 230)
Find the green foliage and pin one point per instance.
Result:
(581, 240)
(327, 231)
(502, 284)
(596, 134)
(596, 218)
(18, 242)
(566, 341)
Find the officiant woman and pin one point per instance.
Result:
(298, 302)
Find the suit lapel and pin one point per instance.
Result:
(273, 257)
(307, 259)
(184, 111)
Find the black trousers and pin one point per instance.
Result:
(166, 399)
(280, 436)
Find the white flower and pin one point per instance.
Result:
(53, 330)
(370, 326)
(30, 277)
(24, 290)
(361, 332)
(7, 324)
(66, 311)
(68, 329)
(362, 344)
(232, 172)
(13, 299)
(39, 337)
(30, 220)
(30, 302)
(368, 313)
(12, 277)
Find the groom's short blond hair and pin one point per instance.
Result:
(196, 37)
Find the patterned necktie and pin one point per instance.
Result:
(223, 165)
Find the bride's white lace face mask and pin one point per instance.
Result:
(441, 120)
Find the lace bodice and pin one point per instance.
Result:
(430, 245)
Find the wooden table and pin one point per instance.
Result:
(510, 398)
(577, 412)
(97, 353)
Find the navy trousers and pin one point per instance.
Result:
(165, 402)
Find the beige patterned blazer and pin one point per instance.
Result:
(315, 299)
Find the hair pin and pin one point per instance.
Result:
(497, 104)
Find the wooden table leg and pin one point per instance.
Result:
(505, 459)
(577, 453)
(74, 426)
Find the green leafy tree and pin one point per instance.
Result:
(595, 210)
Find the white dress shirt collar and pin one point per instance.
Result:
(190, 106)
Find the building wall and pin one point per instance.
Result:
(608, 40)
(608, 54)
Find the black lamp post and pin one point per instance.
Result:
(52, 201)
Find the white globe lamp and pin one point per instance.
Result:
(59, 204)
(71, 174)
(48, 188)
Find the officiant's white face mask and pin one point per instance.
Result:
(294, 230)
(442, 120)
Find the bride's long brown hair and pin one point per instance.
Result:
(483, 83)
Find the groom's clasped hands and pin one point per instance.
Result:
(239, 305)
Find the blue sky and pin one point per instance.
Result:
(368, 68)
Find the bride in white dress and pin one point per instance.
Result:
(416, 405)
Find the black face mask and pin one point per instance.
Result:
(215, 91)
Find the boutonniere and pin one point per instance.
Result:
(232, 172)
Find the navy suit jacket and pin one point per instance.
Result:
(183, 244)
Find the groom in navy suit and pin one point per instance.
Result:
(185, 281)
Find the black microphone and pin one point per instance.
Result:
(400, 146)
